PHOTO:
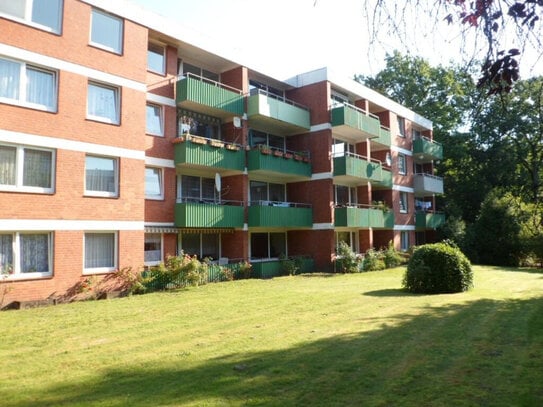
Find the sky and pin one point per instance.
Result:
(282, 38)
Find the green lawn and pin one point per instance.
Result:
(341, 340)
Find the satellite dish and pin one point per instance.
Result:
(388, 159)
(218, 182)
(237, 122)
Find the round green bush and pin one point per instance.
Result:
(438, 268)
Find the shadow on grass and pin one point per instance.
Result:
(533, 270)
(391, 292)
(481, 353)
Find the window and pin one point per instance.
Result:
(416, 134)
(401, 126)
(153, 183)
(260, 138)
(106, 31)
(345, 195)
(196, 70)
(152, 248)
(268, 245)
(402, 166)
(256, 87)
(156, 58)
(197, 189)
(26, 169)
(154, 120)
(350, 238)
(100, 252)
(263, 193)
(341, 148)
(24, 255)
(203, 245)
(45, 14)
(403, 202)
(199, 124)
(27, 85)
(404, 240)
(101, 176)
(103, 103)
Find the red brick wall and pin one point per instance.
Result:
(235, 245)
(315, 96)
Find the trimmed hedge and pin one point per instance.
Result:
(438, 268)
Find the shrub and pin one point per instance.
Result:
(289, 265)
(438, 268)
(347, 260)
(177, 271)
(245, 269)
(373, 261)
(391, 256)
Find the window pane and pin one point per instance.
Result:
(277, 192)
(47, 12)
(278, 244)
(259, 245)
(34, 253)
(99, 250)
(258, 138)
(7, 165)
(15, 8)
(153, 249)
(259, 191)
(155, 58)
(100, 174)
(37, 168)
(190, 188)
(102, 102)
(153, 182)
(106, 30)
(342, 195)
(210, 246)
(154, 120)
(208, 189)
(190, 243)
(276, 142)
(9, 79)
(40, 87)
(6, 253)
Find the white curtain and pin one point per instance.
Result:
(99, 250)
(100, 174)
(153, 250)
(6, 252)
(154, 120)
(37, 168)
(34, 253)
(102, 102)
(15, 8)
(7, 165)
(153, 182)
(9, 79)
(40, 87)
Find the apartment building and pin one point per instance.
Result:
(124, 140)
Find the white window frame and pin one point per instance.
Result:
(405, 199)
(159, 197)
(103, 194)
(15, 269)
(154, 262)
(404, 240)
(117, 93)
(19, 171)
(120, 34)
(27, 19)
(161, 118)
(102, 270)
(162, 70)
(402, 130)
(22, 98)
(402, 164)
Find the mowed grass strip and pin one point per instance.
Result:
(319, 340)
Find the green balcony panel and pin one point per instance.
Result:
(266, 269)
(427, 185)
(199, 215)
(386, 180)
(383, 141)
(277, 116)
(357, 169)
(359, 217)
(429, 220)
(425, 150)
(355, 124)
(209, 97)
(286, 167)
(280, 216)
(192, 154)
(388, 218)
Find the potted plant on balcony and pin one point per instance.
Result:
(265, 149)
(197, 139)
(298, 157)
(232, 147)
(178, 140)
(288, 155)
(216, 143)
(278, 153)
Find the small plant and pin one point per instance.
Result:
(373, 261)
(176, 272)
(245, 269)
(391, 256)
(132, 282)
(5, 271)
(290, 266)
(348, 260)
(226, 274)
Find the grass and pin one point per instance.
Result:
(355, 340)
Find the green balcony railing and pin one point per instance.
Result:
(357, 168)
(280, 214)
(383, 141)
(195, 151)
(288, 165)
(386, 180)
(205, 96)
(425, 150)
(208, 215)
(274, 268)
(358, 217)
(429, 220)
(355, 123)
(427, 185)
(278, 115)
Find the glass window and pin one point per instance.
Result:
(26, 169)
(404, 237)
(199, 124)
(103, 103)
(347, 237)
(197, 189)
(403, 202)
(345, 195)
(263, 192)
(154, 120)
(101, 176)
(153, 248)
(203, 245)
(153, 183)
(25, 254)
(402, 166)
(156, 58)
(106, 31)
(401, 126)
(45, 13)
(277, 192)
(28, 85)
(100, 251)
(268, 245)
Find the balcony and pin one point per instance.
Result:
(280, 214)
(429, 220)
(201, 153)
(355, 124)
(355, 216)
(383, 142)
(427, 185)
(208, 214)
(386, 180)
(208, 97)
(426, 150)
(290, 166)
(277, 115)
(353, 169)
